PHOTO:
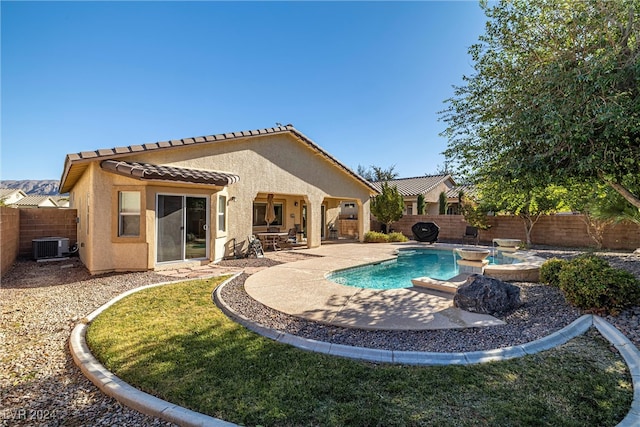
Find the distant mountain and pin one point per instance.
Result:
(43, 187)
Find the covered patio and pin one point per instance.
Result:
(300, 220)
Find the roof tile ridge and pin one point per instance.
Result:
(168, 143)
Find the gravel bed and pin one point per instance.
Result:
(41, 385)
(42, 302)
(544, 311)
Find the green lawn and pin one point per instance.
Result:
(173, 342)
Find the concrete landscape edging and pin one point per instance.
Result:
(629, 352)
(576, 328)
(124, 393)
(148, 404)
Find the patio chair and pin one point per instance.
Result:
(286, 241)
(255, 248)
(470, 233)
(292, 236)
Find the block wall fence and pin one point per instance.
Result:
(551, 230)
(10, 229)
(20, 226)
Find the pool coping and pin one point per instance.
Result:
(148, 404)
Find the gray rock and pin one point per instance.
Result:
(486, 295)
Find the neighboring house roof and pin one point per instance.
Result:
(75, 164)
(408, 187)
(61, 201)
(149, 172)
(469, 191)
(11, 195)
(36, 201)
(9, 191)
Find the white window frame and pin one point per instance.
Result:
(122, 214)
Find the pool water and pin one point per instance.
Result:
(409, 264)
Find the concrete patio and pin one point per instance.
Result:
(301, 289)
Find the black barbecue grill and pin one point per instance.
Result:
(425, 231)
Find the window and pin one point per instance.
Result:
(259, 211)
(129, 213)
(222, 213)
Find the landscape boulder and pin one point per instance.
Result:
(486, 295)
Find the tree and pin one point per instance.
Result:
(443, 203)
(365, 173)
(444, 169)
(585, 198)
(527, 201)
(421, 204)
(387, 206)
(554, 96)
(600, 207)
(377, 173)
(473, 213)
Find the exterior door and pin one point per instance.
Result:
(182, 228)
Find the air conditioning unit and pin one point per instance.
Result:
(50, 247)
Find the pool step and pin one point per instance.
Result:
(449, 286)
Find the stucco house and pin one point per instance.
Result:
(430, 186)
(35, 202)
(197, 200)
(10, 196)
(453, 197)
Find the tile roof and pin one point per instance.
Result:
(147, 171)
(35, 201)
(9, 191)
(61, 201)
(416, 185)
(468, 189)
(131, 149)
(75, 164)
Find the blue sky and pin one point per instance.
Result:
(364, 80)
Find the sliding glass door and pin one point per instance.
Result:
(182, 228)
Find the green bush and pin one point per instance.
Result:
(550, 270)
(375, 237)
(590, 283)
(397, 237)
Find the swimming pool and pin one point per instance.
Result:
(397, 273)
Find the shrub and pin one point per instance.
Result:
(375, 237)
(550, 270)
(590, 283)
(397, 237)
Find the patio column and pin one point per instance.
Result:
(314, 221)
(364, 218)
